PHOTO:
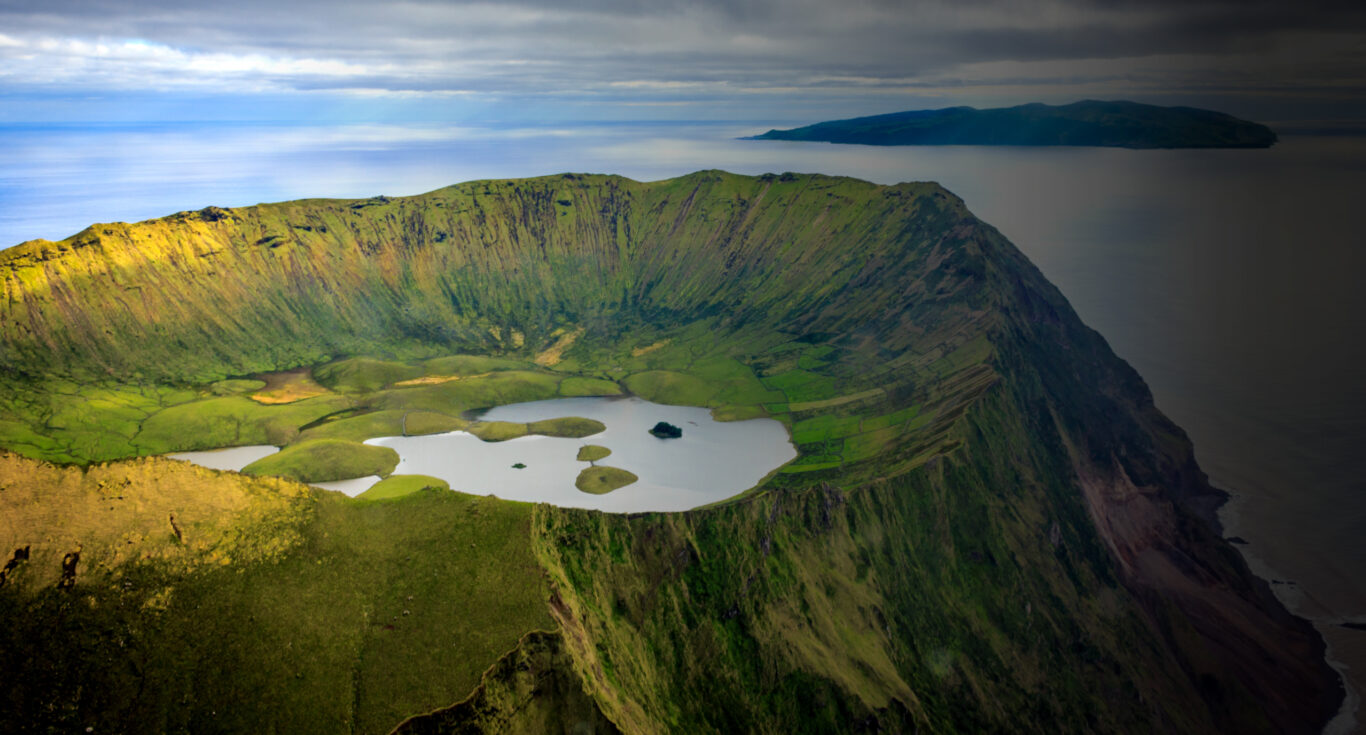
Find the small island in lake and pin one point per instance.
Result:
(592, 453)
(1086, 123)
(666, 430)
(573, 427)
(601, 479)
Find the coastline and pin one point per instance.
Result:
(1341, 649)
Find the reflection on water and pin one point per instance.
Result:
(1228, 278)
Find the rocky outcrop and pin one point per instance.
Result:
(532, 689)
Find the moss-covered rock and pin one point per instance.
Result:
(532, 689)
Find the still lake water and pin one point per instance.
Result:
(229, 458)
(1229, 279)
(712, 461)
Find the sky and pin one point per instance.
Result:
(78, 61)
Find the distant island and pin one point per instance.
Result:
(1085, 123)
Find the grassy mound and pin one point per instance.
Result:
(396, 486)
(600, 479)
(574, 387)
(230, 421)
(417, 423)
(573, 427)
(289, 386)
(664, 386)
(383, 423)
(324, 460)
(482, 391)
(363, 374)
(593, 453)
(498, 431)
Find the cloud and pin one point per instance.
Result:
(672, 50)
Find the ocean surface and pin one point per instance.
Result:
(1232, 280)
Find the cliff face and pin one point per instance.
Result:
(195, 295)
(1050, 573)
(990, 527)
(1151, 507)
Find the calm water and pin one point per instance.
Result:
(712, 461)
(1228, 278)
(232, 458)
(235, 458)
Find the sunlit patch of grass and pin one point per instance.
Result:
(572, 387)
(324, 460)
(642, 351)
(233, 386)
(275, 609)
(592, 453)
(551, 356)
(396, 486)
(498, 431)
(470, 365)
(289, 386)
(574, 427)
(417, 423)
(601, 479)
(364, 374)
(452, 398)
(665, 386)
(568, 426)
(230, 421)
(393, 422)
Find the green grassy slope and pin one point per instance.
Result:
(935, 600)
(988, 526)
(971, 595)
(256, 606)
(488, 265)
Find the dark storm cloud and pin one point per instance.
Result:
(675, 48)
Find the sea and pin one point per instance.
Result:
(1233, 280)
